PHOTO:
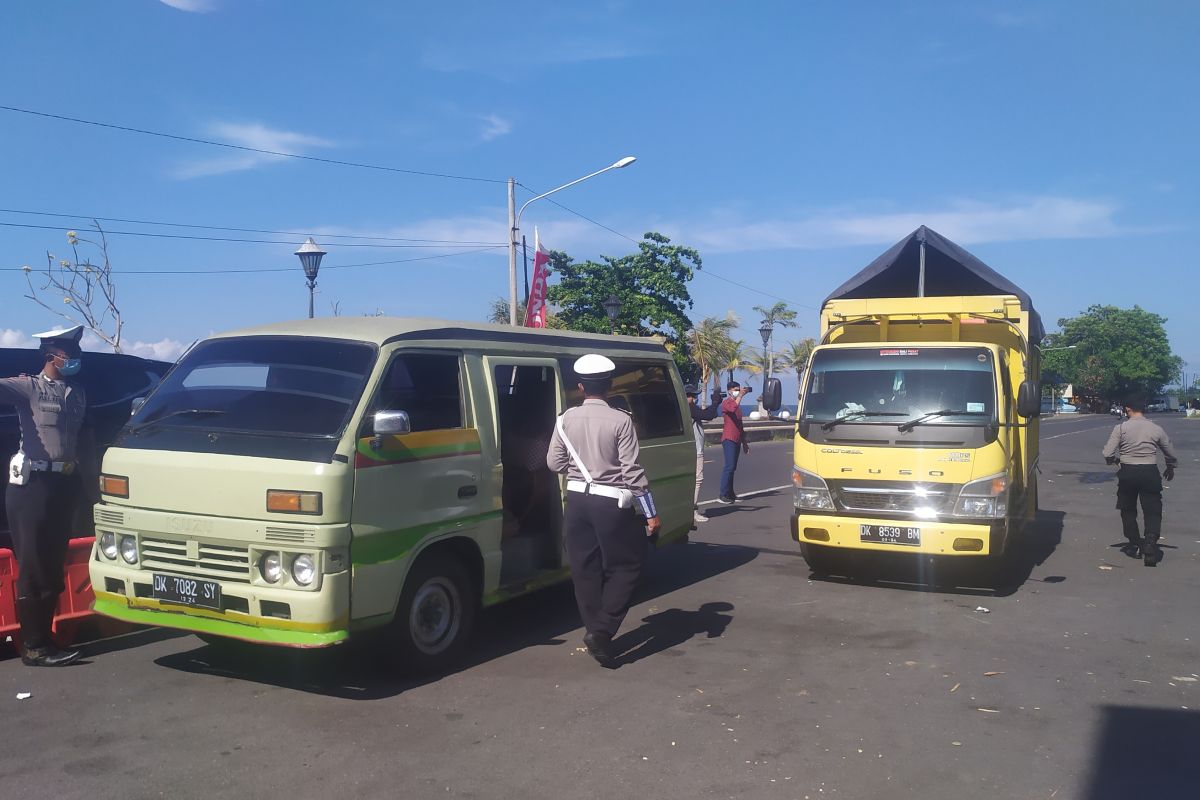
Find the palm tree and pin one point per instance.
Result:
(708, 342)
(734, 357)
(795, 357)
(778, 314)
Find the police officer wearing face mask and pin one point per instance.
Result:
(596, 446)
(44, 487)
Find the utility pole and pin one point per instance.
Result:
(512, 252)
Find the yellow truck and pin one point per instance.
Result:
(917, 427)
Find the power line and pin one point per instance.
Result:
(701, 271)
(193, 237)
(244, 148)
(238, 230)
(273, 269)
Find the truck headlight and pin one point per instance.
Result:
(304, 569)
(270, 566)
(108, 544)
(810, 491)
(986, 497)
(129, 549)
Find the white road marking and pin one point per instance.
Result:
(755, 493)
(1072, 433)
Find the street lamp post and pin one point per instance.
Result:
(612, 307)
(310, 255)
(765, 331)
(514, 225)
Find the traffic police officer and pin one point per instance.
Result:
(596, 446)
(1134, 444)
(43, 488)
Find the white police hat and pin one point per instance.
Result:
(73, 334)
(594, 366)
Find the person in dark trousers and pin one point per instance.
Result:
(699, 417)
(733, 439)
(1135, 445)
(596, 446)
(44, 488)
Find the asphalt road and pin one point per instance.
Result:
(745, 677)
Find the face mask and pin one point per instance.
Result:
(71, 366)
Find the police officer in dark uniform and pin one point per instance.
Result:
(1135, 445)
(44, 488)
(597, 447)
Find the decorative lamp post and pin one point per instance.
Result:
(612, 307)
(765, 331)
(310, 254)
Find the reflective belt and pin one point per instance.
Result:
(594, 488)
(65, 467)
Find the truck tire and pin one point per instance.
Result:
(435, 615)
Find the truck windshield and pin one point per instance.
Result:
(264, 396)
(889, 385)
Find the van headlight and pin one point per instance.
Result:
(986, 497)
(129, 549)
(270, 566)
(108, 544)
(304, 569)
(810, 491)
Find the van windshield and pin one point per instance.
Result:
(266, 396)
(891, 385)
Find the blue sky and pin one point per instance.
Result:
(790, 144)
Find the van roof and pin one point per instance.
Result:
(383, 330)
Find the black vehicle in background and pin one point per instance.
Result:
(111, 381)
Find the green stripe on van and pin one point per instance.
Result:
(392, 545)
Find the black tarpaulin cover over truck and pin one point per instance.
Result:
(950, 271)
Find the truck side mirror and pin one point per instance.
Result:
(1029, 399)
(772, 394)
(391, 423)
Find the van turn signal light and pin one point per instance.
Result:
(286, 502)
(114, 485)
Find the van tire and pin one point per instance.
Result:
(435, 615)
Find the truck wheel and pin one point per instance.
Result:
(435, 615)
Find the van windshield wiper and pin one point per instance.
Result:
(905, 427)
(182, 412)
(853, 415)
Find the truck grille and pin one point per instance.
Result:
(896, 499)
(221, 562)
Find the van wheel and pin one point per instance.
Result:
(435, 615)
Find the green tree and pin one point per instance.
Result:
(708, 343)
(1116, 352)
(796, 355)
(778, 314)
(498, 311)
(651, 285)
(735, 357)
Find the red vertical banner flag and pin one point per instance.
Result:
(535, 306)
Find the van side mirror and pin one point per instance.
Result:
(391, 423)
(1029, 399)
(136, 404)
(772, 394)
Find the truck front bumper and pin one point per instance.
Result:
(938, 537)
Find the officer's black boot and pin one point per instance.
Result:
(33, 636)
(47, 653)
(1151, 555)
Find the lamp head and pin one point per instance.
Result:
(612, 307)
(765, 331)
(310, 254)
(625, 162)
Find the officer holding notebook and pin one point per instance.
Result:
(608, 494)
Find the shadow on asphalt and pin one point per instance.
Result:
(357, 671)
(955, 575)
(1145, 752)
(1091, 478)
(670, 628)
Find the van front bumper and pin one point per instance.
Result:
(314, 619)
(938, 537)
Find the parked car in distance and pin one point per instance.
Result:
(111, 381)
